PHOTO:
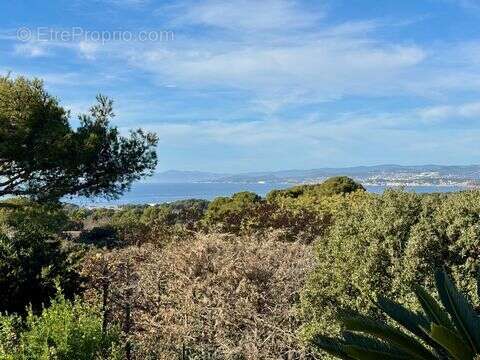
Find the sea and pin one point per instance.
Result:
(157, 193)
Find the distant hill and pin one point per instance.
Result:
(177, 176)
(374, 175)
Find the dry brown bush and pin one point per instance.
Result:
(235, 296)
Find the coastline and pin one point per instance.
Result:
(159, 193)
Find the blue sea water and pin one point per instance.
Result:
(154, 193)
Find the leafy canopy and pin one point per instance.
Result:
(43, 158)
(331, 186)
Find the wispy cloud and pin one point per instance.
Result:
(468, 4)
(126, 2)
(31, 50)
(276, 78)
(248, 15)
(317, 141)
(276, 65)
(441, 112)
(281, 53)
(43, 48)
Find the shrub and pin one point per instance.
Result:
(332, 186)
(231, 296)
(289, 223)
(188, 213)
(33, 258)
(9, 331)
(64, 331)
(382, 245)
(101, 236)
(20, 213)
(136, 225)
(225, 214)
(248, 214)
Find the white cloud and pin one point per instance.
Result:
(127, 2)
(279, 58)
(286, 55)
(249, 15)
(88, 49)
(316, 70)
(329, 141)
(467, 111)
(41, 48)
(31, 49)
(247, 133)
(468, 4)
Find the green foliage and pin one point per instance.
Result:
(20, 213)
(247, 213)
(10, 326)
(288, 223)
(382, 245)
(42, 157)
(135, 225)
(331, 186)
(64, 331)
(33, 257)
(227, 212)
(451, 332)
(189, 212)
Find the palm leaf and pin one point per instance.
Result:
(359, 353)
(478, 284)
(332, 346)
(464, 317)
(387, 333)
(432, 308)
(381, 349)
(451, 342)
(415, 323)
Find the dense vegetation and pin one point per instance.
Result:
(240, 277)
(383, 245)
(364, 246)
(65, 330)
(248, 277)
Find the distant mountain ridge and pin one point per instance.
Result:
(376, 174)
(185, 176)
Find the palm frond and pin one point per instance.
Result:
(432, 308)
(335, 347)
(461, 311)
(413, 322)
(409, 344)
(451, 342)
(451, 332)
(382, 349)
(359, 353)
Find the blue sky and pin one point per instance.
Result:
(245, 85)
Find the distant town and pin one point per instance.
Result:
(467, 176)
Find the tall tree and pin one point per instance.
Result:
(43, 158)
